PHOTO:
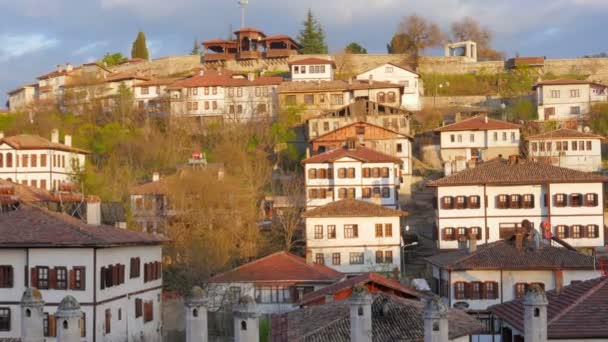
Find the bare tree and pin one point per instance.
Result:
(287, 223)
(421, 32)
(469, 29)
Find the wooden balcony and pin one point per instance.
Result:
(250, 55)
(215, 57)
(278, 53)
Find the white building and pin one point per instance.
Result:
(354, 236)
(567, 99)
(276, 282)
(476, 139)
(223, 95)
(312, 69)
(22, 97)
(492, 199)
(567, 148)
(38, 162)
(61, 256)
(153, 96)
(353, 172)
(409, 79)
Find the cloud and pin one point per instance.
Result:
(154, 47)
(149, 8)
(90, 47)
(17, 45)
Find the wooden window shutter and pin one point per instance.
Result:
(34, 278)
(83, 278)
(566, 231)
(122, 274)
(52, 326)
(467, 290)
(484, 291)
(546, 200)
(478, 231)
(72, 278)
(495, 289)
(138, 307)
(444, 234)
(385, 172)
(102, 278)
(366, 172)
(52, 278)
(487, 233)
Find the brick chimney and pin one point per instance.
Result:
(519, 239)
(55, 136)
(59, 68)
(68, 67)
(67, 140)
(472, 243)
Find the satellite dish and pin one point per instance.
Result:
(586, 129)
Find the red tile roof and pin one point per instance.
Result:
(312, 61)
(125, 76)
(564, 133)
(501, 172)
(34, 142)
(30, 226)
(387, 285)
(335, 85)
(390, 134)
(353, 208)
(157, 82)
(212, 78)
(280, 267)
(249, 29)
(560, 81)
(478, 123)
(361, 153)
(578, 311)
(393, 64)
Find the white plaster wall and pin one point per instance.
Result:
(328, 75)
(585, 160)
(479, 139)
(409, 80)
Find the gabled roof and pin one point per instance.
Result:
(560, 81)
(375, 280)
(361, 153)
(34, 142)
(564, 133)
(125, 76)
(30, 194)
(312, 61)
(213, 78)
(578, 311)
(335, 85)
(30, 226)
(157, 82)
(500, 171)
(392, 134)
(353, 208)
(504, 255)
(280, 267)
(478, 123)
(392, 64)
(393, 319)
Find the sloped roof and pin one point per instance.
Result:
(560, 81)
(30, 226)
(125, 76)
(34, 142)
(312, 61)
(504, 255)
(335, 85)
(353, 208)
(212, 78)
(393, 319)
(393, 133)
(564, 133)
(278, 267)
(361, 153)
(376, 279)
(578, 311)
(29, 194)
(157, 82)
(392, 64)
(478, 123)
(499, 172)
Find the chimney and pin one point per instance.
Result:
(59, 68)
(67, 140)
(196, 316)
(246, 321)
(535, 314)
(519, 239)
(68, 317)
(68, 67)
(371, 79)
(32, 316)
(309, 259)
(360, 304)
(435, 317)
(472, 243)
(155, 177)
(202, 72)
(485, 118)
(308, 152)
(55, 136)
(93, 213)
(559, 280)
(1, 135)
(251, 76)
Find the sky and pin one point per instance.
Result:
(36, 35)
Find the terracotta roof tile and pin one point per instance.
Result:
(478, 123)
(361, 153)
(30, 226)
(335, 85)
(312, 61)
(564, 133)
(276, 268)
(393, 319)
(503, 255)
(500, 172)
(367, 278)
(578, 311)
(561, 81)
(125, 76)
(157, 82)
(212, 78)
(31, 142)
(353, 208)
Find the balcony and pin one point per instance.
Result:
(277, 53)
(250, 54)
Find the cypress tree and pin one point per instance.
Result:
(195, 48)
(140, 48)
(312, 37)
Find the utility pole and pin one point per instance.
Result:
(243, 4)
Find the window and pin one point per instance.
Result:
(447, 234)
(239, 92)
(386, 192)
(381, 97)
(588, 145)
(309, 99)
(561, 231)
(461, 233)
(214, 105)
(513, 137)
(331, 231)
(459, 290)
(591, 200)
(352, 193)
(565, 145)
(385, 172)
(576, 231)
(558, 146)
(504, 136)
(61, 278)
(230, 92)
(312, 173)
(342, 193)
(6, 276)
(447, 202)
(475, 290)
(461, 202)
(388, 69)
(350, 172)
(388, 230)
(379, 230)
(581, 146)
(239, 109)
(574, 146)
(43, 277)
(388, 257)
(24, 160)
(491, 290)
(576, 200)
(337, 99)
(399, 148)
(459, 138)
(474, 202)
(145, 90)
(319, 259)
(452, 138)
(148, 311)
(495, 136)
(472, 137)
(303, 69)
(391, 97)
(356, 258)
(5, 319)
(351, 231)
(528, 201)
(138, 307)
(134, 268)
(514, 201)
(475, 231)
(502, 201)
(366, 192)
(555, 94)
(520, 290)
(575, 93)
(318, 232)
(592, 231)
(559, 200)
(108, 321)
(335, 258)
(79, 278)
(33, 160)
(379, 257)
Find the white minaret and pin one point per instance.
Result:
(535, 314)
(243, 4)
(360, 304)
(196, 316)
(435, 320)
(68, 320)
(246, 321)
(32, 316)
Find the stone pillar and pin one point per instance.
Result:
(360, 304)
(196, 316)
(246, 321)
(535, 314)
(68, 320)
(32, 316)
(435, 320)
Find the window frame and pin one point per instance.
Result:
(5, 320)
(351, 231)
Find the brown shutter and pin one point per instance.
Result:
(52, 326)
(478, 237)
(487, 233)
(121, 274)
(102, 278)
(467, 290)
(443, 234)
(495, 286)
(52, 278)
(116, 274)
(72, 284)
(83, 278)
(566, 231)
(34, 278)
